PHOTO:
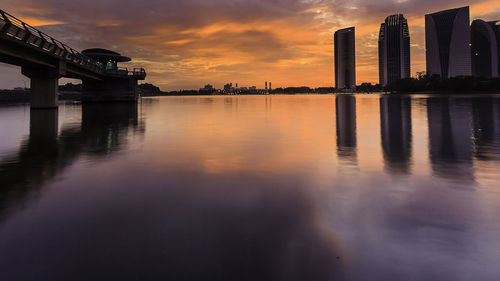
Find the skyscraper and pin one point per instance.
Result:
(485, 52)
(345, 58)
(447, 42)
(394, 50)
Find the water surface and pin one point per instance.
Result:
(361, 187)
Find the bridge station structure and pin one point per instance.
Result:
(45, 59)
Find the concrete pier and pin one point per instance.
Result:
(110, 89)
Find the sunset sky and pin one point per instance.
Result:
(185, 44)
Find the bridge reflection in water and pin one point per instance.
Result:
(47, 152)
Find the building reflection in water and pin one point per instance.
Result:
(396, 132)
(486, 114)
(46, 153)
(345, 108)
(450, 138)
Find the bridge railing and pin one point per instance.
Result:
(138, 71)
(17, 29)
(125, 71)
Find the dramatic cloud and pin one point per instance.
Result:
(187, 43)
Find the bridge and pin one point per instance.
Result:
(45, 59)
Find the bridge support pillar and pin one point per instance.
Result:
(44, 85)
(44, 93)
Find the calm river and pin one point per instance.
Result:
(304, 187)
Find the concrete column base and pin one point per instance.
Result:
(44, 85)
(44, 93)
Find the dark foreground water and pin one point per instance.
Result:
(253, 188)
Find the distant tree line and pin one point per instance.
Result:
(363, 88)
(149, 90)
(421, 83)
(70, 87)
(424, 82)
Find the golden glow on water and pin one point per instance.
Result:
(276, 133)
(227, 134)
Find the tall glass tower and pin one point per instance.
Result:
(394, 50)
(447, 42)
(345, 58)
(485, 52)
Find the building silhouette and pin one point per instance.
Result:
(394, 50)
(485, 52)
(208, 89)
(345, 58)
(447, 41)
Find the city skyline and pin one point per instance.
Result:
(255, 42)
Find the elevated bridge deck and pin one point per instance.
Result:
(45, 59)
